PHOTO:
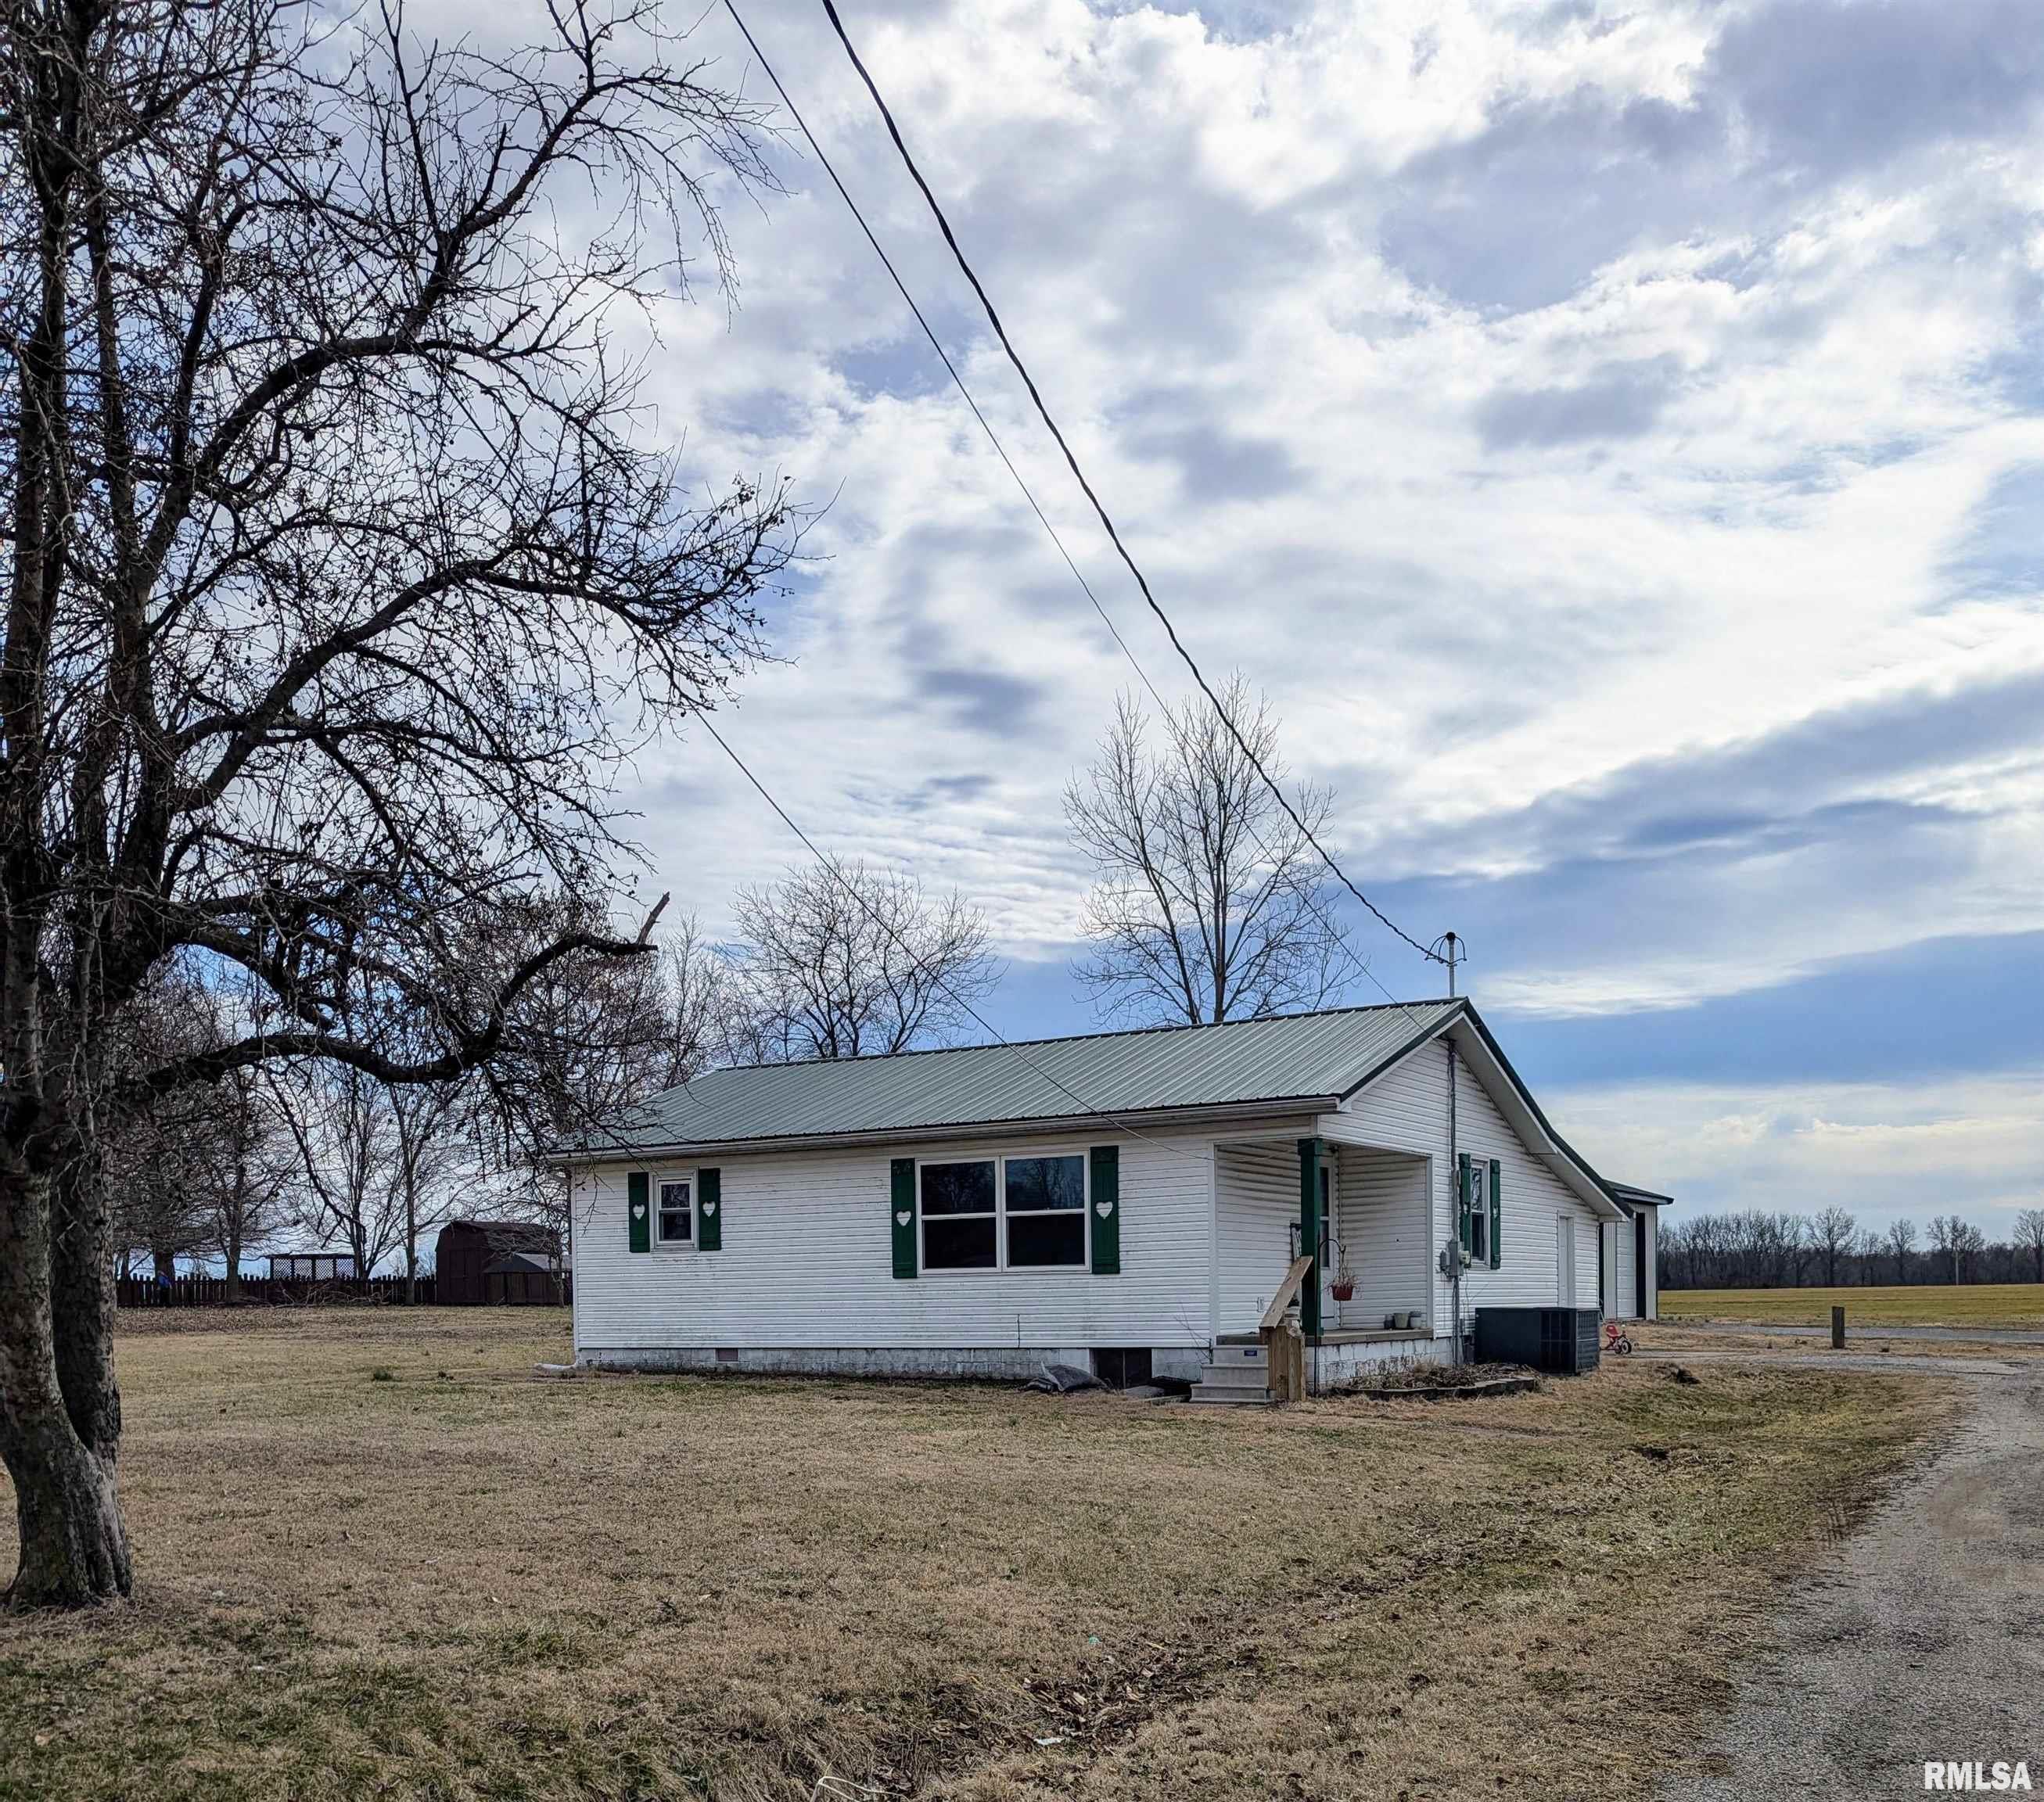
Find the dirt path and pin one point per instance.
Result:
(1916, 1640)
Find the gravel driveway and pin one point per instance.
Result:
(1918, 1639)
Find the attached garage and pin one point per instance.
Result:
(1627, 1254)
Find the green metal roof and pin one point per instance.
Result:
(1242, 1064)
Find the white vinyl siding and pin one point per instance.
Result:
(1625, 1302)
(1380, 1214)
(807, 1262)
(1407, 1109)
(1260, 1206)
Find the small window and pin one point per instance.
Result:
(677, 1213)
(1478, 1203)
(958, 1216)
(1046, 1212)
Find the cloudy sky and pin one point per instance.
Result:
(1613, 435)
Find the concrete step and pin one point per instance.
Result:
(1229, 1394)
(1258, 1355)
(1236, 1376)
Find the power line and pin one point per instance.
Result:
(1028, 381)
(992, 438)
(944, 356)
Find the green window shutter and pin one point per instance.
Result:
(639, 1209)
(1496, 1211)
(709, 1210)
(903, 1174)
(1106, 1221)
(1462, 1198)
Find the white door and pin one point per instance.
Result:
(1565, 1260)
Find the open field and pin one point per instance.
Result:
(449, 1581)
(1918, 1304)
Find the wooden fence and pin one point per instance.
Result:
(211, 1292)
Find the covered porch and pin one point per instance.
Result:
(1363, 1213)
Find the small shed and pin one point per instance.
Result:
(478, 1262)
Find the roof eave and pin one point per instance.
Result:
(1466, 1025)
(1128, 1123)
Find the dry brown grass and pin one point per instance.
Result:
(1916, 1304)
(457, 1583)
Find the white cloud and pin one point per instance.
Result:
(1973, 1145)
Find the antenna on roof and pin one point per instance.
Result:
(1448, 948)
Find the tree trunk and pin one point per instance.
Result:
(74, 1549)
(83, 1303)
(236, 1212)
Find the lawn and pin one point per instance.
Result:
(1918, 1305)
(376, 1559)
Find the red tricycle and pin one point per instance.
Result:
(1615, 1341)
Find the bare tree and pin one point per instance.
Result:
(1210, 903)
(2029, 1236)
(247, 1170)
(1901, 1243)
(1969, 1244)
(587, 1041)
(344, 1123)
(1949, 1241)
(433, 1154)
(843, 961)
(1833, 1233)
(338, 572)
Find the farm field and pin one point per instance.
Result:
(1917, 1304)
(375, 1559)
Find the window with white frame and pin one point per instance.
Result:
(676, 1216)
(1003, 1213)
(961, 1217)
(1043, 1199)
(1479, 1208)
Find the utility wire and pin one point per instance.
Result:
(1028, 381)
(944, 356)
(1000, 450)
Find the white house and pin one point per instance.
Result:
(1131, 1201)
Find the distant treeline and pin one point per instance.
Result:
(1757, 1250)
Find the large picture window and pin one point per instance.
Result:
(1014, 1213)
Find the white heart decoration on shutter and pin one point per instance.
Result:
(709, 1208)
(1103, 1209)
(902, 1216)
(638, 1210)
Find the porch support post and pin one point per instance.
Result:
(1309, 1234)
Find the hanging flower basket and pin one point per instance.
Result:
(1342, 1288)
